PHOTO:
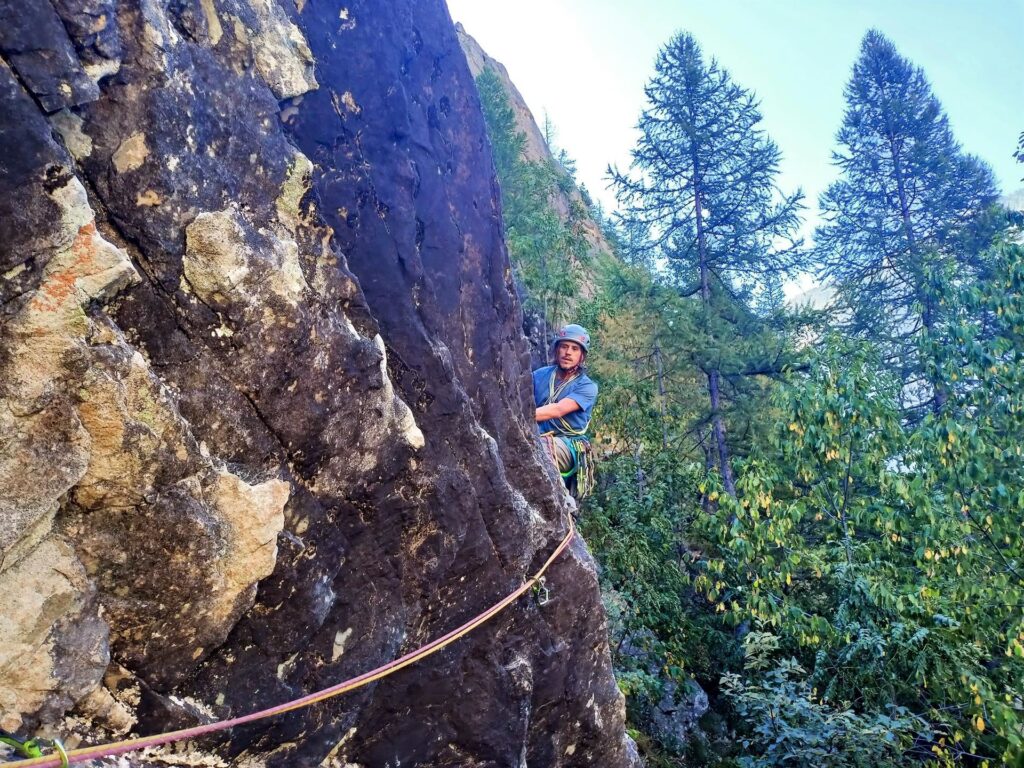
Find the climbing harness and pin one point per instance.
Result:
(65, 758)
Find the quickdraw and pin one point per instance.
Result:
(541, 592)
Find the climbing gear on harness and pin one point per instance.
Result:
(572, 332)
(582, 472)
(541, 592)
(33, 748)
(98, 751)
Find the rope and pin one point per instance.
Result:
(554, 394)
(130, 745)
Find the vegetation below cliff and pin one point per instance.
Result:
(815, 515)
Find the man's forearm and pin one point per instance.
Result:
(557, 410)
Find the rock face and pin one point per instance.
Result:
(263, 394)
(536, 148)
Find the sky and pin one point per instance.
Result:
(585, 63)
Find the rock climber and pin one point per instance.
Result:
(565, 397)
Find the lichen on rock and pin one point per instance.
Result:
(227, 262)
(281, 52)
(47, 661)
(263, 392)
(45, 452)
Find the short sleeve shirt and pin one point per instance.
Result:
(582, 390)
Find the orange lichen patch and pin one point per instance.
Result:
(60, 285)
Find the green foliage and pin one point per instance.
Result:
(909, 201)
(859, 599)
(888, 557)
(790, 726)
(548, 249)
(702, 180)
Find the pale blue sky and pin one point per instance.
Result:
(585, 63)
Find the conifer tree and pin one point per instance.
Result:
(909, 204)
(700, 198)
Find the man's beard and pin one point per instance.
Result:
(570, 369)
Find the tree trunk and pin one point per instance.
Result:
(661, 394)
(714, 392)
(939, 391)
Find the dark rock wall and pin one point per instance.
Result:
(264, 393)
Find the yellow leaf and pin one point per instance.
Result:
(980, 724)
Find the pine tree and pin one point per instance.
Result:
(910, 204)
(701, 199)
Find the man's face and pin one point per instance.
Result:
(568, 354)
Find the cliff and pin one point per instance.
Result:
(536, 148)
(264, 395)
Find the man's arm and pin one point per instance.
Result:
(563, 407)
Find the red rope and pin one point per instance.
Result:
(130, 745)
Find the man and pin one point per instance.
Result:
(565, 397)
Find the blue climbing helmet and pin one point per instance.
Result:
(572, 332)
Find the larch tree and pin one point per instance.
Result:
(701, 190)
(909, 205)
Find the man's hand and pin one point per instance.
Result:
(557, 410)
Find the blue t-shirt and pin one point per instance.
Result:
(581, 389)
